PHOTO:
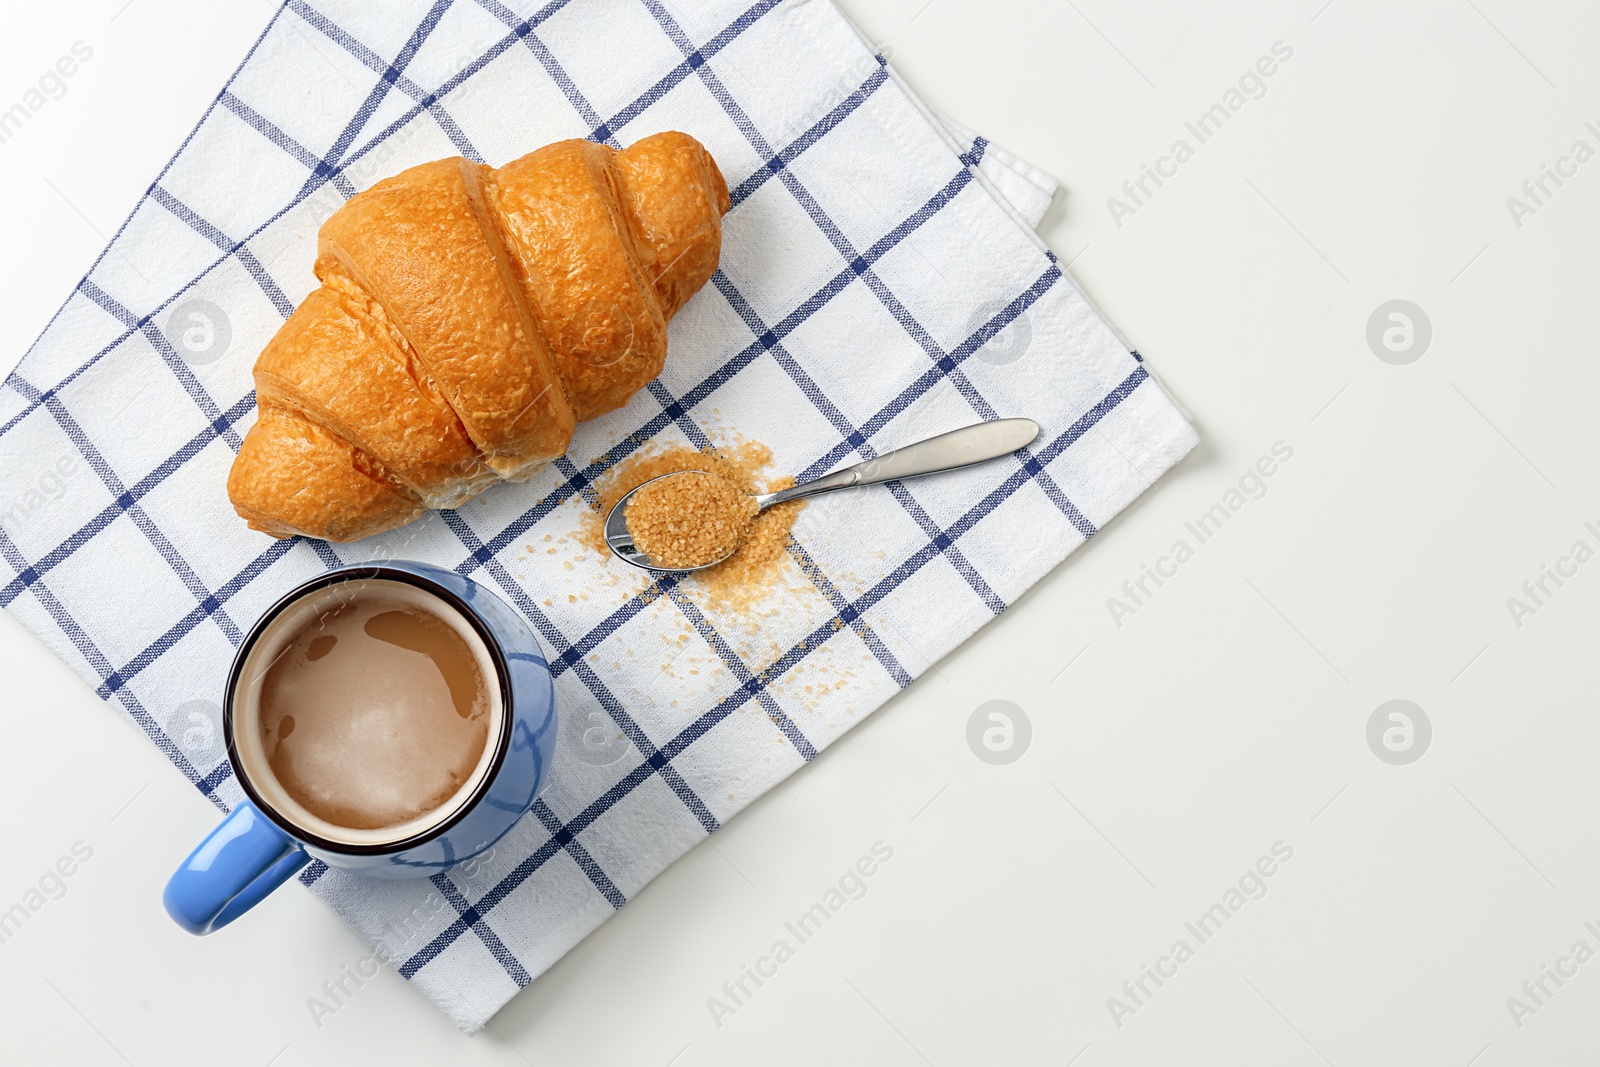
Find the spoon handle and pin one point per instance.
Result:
(946, 452)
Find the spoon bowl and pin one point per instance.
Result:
(620, 538)
(947, 452)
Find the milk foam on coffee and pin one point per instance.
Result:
(370, 706)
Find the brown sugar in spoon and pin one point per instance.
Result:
(687, 521)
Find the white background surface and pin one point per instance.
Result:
(1169, 753)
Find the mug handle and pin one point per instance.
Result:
(236, 866)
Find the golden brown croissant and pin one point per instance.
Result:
(467, 319)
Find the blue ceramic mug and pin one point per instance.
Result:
(270, 835)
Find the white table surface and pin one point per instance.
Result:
(1227, 714)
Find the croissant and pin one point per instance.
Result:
(467, 319)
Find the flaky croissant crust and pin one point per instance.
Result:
(467, 319)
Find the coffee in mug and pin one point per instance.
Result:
(390, 719)
(366, 710)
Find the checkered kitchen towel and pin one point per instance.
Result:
(879, 283)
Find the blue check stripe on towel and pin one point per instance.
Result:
(879, 283)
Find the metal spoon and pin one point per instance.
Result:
(946, 452)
